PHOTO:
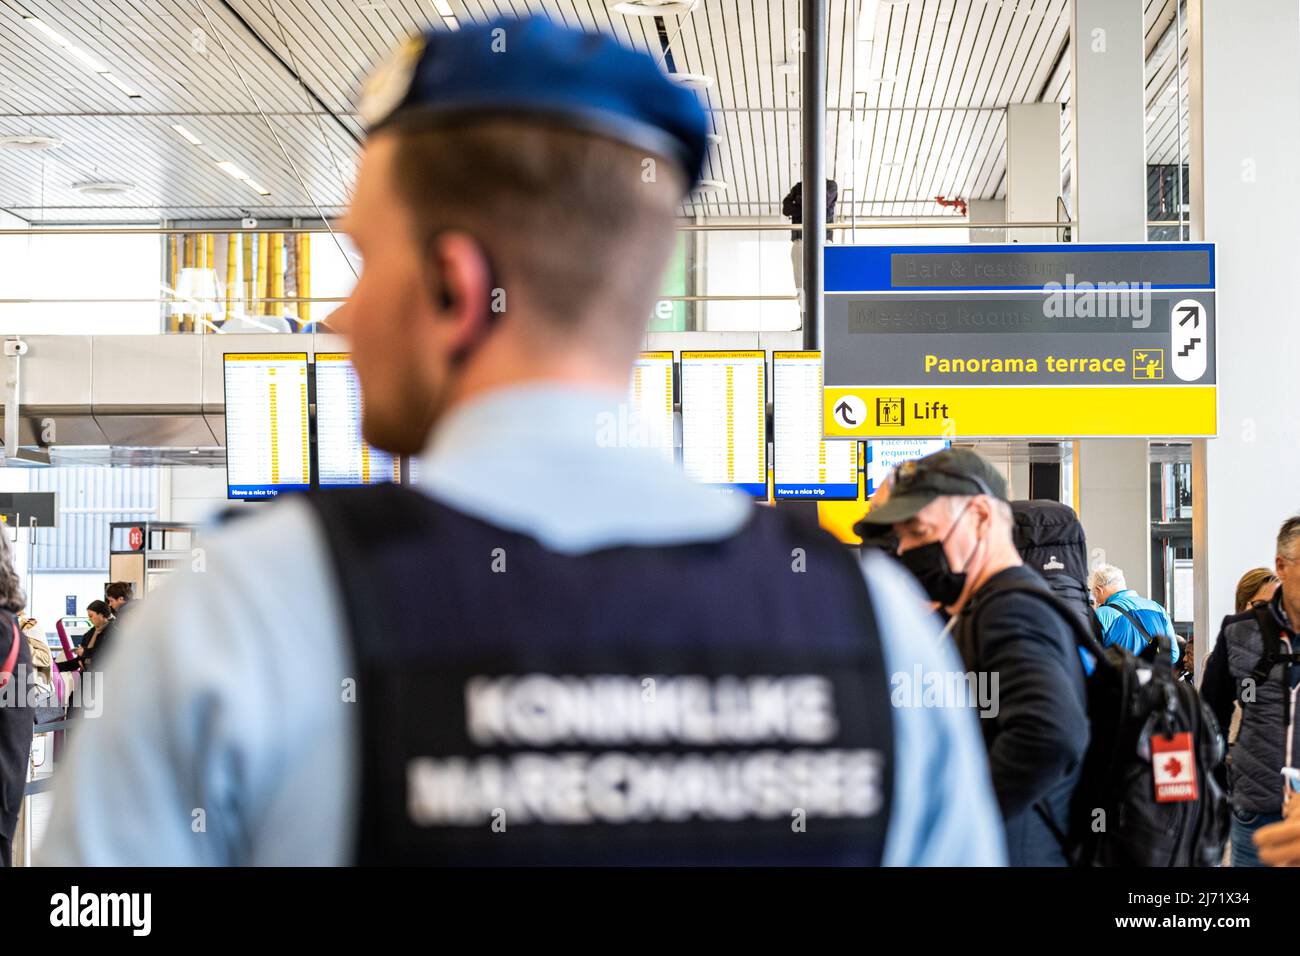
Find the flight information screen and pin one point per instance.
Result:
(343, 457)
(267, 438)
(724, 419)
(651, 396)
(884, 455)
(804, 464)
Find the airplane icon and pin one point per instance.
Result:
(1148, 365)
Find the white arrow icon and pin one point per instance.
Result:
(850, 411)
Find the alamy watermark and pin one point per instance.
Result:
(921, 688)
(1098, 300)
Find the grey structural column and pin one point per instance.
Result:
(812, 124)
(1109, 188)
(1244, 150)
(1033, 168)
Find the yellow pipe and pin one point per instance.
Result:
(304, 277)
(246, 241)
(263, 241)
(173, 276)
(187, 318)
(209, 262)
(232, 289)
(277, 272)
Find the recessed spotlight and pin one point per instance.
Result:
(655, 8)
(103, 188)
(692, 81)
(711, 186)
(30, 141)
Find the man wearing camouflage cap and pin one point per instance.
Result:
(954, 526)
(554, 651)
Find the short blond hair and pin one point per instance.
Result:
(577, 225)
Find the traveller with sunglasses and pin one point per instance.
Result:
(954, 526)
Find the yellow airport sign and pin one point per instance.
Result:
(1018, 412)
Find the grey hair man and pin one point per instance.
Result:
(1127, 619)
(954, 524)
(1255, 663)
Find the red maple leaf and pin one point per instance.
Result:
(1173, 767)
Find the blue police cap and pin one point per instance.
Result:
(532, 67)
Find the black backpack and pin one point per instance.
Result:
(1050, 539)
(1115, 819)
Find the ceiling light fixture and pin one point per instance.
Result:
(30, 141)
(444, 8)
(105, 188)
(711, 186)
(86, 59)
(230, 169)
(131, 93)
(655, 8)
(80, 55)
(193, 140)
(692, 81)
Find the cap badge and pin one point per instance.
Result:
(390, 82)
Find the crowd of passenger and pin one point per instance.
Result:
(36, 689)
(947, 520)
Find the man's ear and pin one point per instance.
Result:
(461, 283)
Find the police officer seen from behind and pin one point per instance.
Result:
(558, 650)
(954, 527)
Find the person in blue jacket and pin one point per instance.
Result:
(1128, 620)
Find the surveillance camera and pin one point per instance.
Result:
(15, 347)
(248, 222)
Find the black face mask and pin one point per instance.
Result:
(929, 565)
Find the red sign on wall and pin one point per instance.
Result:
(135, 538)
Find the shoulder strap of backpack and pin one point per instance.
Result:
(1152, 649)
(1082, 636)
(1271, 635)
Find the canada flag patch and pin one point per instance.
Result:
(1173, 766)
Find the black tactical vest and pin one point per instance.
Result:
(709, 703)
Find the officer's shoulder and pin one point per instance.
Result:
(255, 532)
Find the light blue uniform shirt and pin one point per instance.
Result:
(225, 736)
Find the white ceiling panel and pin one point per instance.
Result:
(916, 95)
